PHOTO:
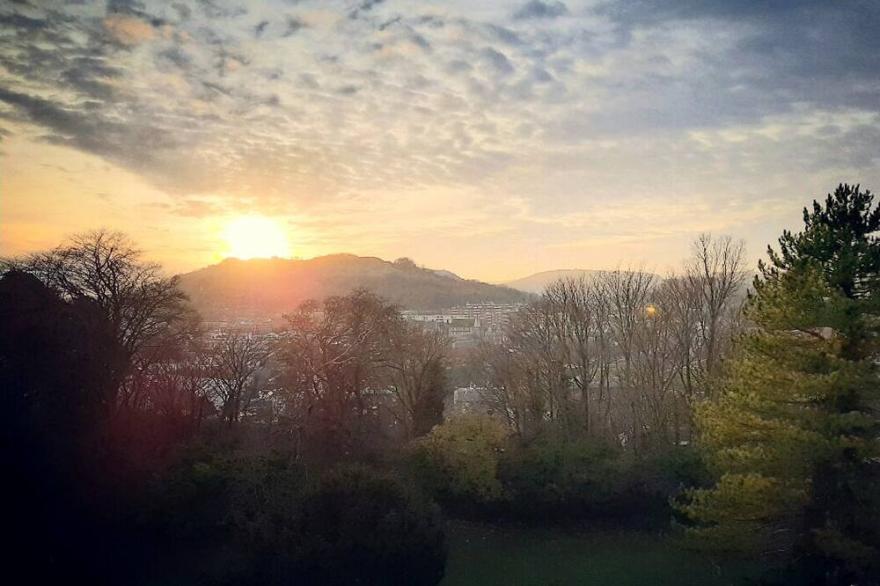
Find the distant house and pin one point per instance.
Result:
(467, 324)
(467, 401)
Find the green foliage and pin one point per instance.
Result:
(839, 237)
(576, 476)
(682, 466)
(558, 472)
(428, 407)
(476, 465)
(459, 459)
(792, 437)
(745, 511)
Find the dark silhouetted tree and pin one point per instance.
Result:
(54, 379)
(136, 300)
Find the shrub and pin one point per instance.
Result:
(360, 527)
(207, 496)
(476, 466)
(677, 468)
(458, 460)
(555, 472)
(576, 476)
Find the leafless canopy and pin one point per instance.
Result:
(139, 302)
(623, 353)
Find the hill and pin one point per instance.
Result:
(536, 283)
(270, 287)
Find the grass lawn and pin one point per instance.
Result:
(484, 555)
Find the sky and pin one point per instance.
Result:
(493, 139)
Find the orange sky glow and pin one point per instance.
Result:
(493, 141)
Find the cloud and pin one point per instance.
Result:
(504, 34)
(296, 105)
(363, 7)
(128, 30)
(539, 9)
(22, 21)
(86, 128)
(811, 51)
(498, 60)
(198, 208)
(292, 26)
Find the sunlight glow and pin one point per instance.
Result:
(255, 237)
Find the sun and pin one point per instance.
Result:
(255, 237)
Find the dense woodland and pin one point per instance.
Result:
(738, 416)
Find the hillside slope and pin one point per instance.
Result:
(269, 287)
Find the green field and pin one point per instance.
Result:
(482, 555)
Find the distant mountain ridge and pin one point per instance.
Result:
(270, 287)
(537, 282)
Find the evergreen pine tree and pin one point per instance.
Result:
(794, 435)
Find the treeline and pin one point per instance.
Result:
(586, 403)
(622, 356)
(145, 449)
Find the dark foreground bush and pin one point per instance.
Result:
(238, 519)
(357, 526)
(209, 496)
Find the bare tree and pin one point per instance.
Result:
(139, 304)
(416, 366)
(498, 374)
(523, 376)
(628, 294)
(682, 301)
(657, 364)
(105, 266)
(334, 356)
(540, 363)
(573, 306)
(624, 355)
(179, 388)
(234, 364)
(179, 343)
(605, 353)
(715, 270)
